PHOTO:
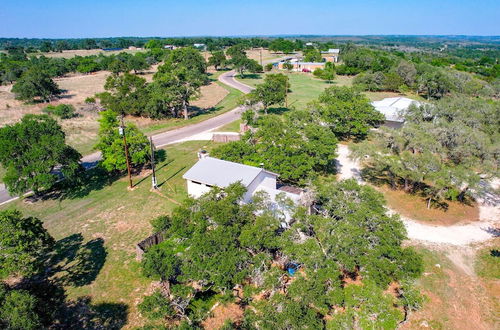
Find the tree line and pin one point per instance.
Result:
(379, 70)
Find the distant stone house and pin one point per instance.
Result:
(392, 108)
(211, 172)
(331, 55)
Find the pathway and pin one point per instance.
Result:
(477, 231)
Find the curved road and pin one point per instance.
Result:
(172, 136)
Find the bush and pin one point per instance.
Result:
(63, 111)
(90, 100)
(268, 66)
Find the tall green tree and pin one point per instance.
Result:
(24, 243)
(347, 112)
(35, 84)
(218, 59)
(271, 92)
(111, 143)
(31, 150)
(125, 94)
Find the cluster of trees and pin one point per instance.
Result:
(58, 45)
(301, 143)
(285, 46)
(36, 158)
(111, 144)
(13, 65)
(378, 70)
(443, 150)
(291, 145)
(241, 62)
(25, 246)
(346, 111)
(33, 75)
(63, 111)
(346, 253)
(177, 81)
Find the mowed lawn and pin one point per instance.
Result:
(304, 87)
(106, 220)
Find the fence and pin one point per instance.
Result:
(225, 137)
(148, 242)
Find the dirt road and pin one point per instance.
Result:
(479, 231)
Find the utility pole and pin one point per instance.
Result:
(153, 177)
(261, 58)
(122, 133)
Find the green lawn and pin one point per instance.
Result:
(304, 87)
(231, 127)
(107, 220)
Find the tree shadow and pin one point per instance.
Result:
(277, 111)
(83, 314)
(77, 264)
(93, 179)
(252, 76)
(171, 176)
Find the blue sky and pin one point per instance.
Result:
(110, 18)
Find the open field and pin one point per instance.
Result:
(105, 211)
(456, 298)
(82, 130)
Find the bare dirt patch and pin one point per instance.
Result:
(455, 297)
(222, 313)
(415, 208)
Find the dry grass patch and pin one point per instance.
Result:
(220, 314)
(455, 299)
(415, 207)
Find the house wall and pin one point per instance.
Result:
(263, 179)
(195, 189)
(331, 58)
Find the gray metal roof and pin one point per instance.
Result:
(221, 173)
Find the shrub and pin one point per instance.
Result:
(63, 111)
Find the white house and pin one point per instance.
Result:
(209, 172)
(392, 108)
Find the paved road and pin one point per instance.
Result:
(228, 79)
(172, 136)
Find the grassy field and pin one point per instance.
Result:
(305, 87)
(105, 220)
